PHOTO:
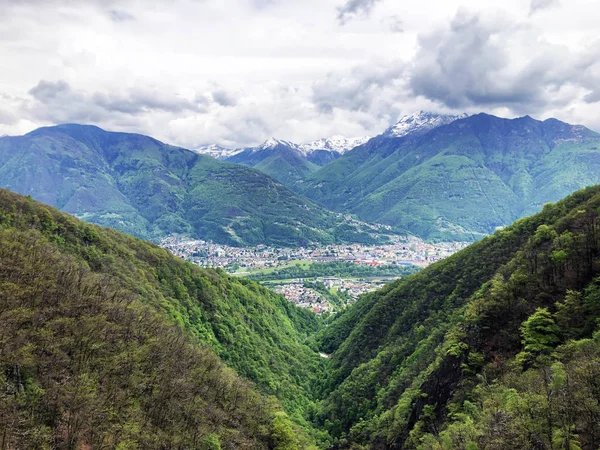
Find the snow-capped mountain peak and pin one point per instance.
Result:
(421, 123)
(338, 144)
(217, 151)
(272, 143)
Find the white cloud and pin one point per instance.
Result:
(237, 72)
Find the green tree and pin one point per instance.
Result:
(282, 433)
(540, 335)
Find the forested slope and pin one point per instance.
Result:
(82, 305)
(493, 347)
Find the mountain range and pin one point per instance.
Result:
(286, 161)
(457, 177)
(438, 176)
(139, 185)
(336, 145)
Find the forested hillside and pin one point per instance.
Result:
(460, 180)
(494, 347)
(143, 187)
(90, 351)
(111, 341)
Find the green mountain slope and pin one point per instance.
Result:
(90, 359)
(493, 347)
(149, 189)
(282, 162)
(256, 332)
(460, 180)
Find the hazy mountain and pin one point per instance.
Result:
(279, 159)
(461, 179)
(144, 187)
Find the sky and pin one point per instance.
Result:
(237, 72)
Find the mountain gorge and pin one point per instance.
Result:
(149, 189)
(496, 345)
(456, 177)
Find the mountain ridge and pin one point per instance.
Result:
(139, 185)
(459, 180)
(337, 144)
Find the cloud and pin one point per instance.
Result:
(538, 5)
(47, 91)
(288, 71)
(592, 97)
(359, 89)
(223, 98)
(394, 24)
(482, 62)
(117, 15)
(57, 102)
(355, 8)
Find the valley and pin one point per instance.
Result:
(342, 272)
(431, 357)
(299, 225)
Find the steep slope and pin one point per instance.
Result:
(459, 180)
(414, 364)
(258, 333)
(90, 356)
(149, 189)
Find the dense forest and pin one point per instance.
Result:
(494, 347)
(111, 342)
(105, 337)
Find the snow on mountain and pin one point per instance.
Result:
(217, 151)
(420, 123)
(272, 143)
(338, 144)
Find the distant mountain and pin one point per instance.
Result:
(420, 123)
(149, 189)
(456, 177)
(335, 144)
(279, 159)
(339, 144)
(283, 160)
(216, 151)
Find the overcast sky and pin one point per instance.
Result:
(236, 72)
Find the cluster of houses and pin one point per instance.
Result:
(244, 260)
(403, 251)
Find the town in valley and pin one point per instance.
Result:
(321, 293)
